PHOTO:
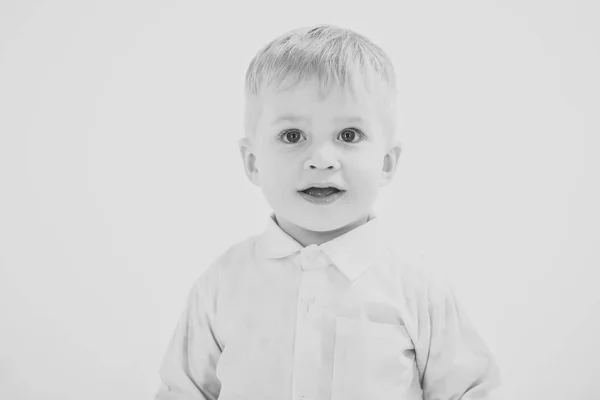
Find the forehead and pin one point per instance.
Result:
(306, 99)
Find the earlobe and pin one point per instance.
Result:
(249, 160)
(390, 163)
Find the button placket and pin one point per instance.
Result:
(307, 302)
(312, 257)
(306, 360)
(308, 256)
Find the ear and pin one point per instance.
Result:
(249, 160)
(390, 163)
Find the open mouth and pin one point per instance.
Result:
(321, 196)
(320, 192)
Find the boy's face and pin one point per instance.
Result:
(302, 141)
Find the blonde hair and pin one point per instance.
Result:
(328, 53)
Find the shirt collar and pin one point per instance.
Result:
(353, 252)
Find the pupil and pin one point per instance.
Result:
(291, 135)
(348, 134)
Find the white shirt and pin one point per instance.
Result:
(347, 319)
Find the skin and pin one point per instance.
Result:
(286, 156)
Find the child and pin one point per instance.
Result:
(320, 305)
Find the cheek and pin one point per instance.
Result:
(276, 170)
(366, 170)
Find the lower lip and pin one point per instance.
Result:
(322, 200)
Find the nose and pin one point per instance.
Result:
(322, 157)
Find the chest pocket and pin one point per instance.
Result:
(374, 361)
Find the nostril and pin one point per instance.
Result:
(313, 166)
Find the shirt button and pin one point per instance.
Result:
(307, 300)
(308, 255)
(306, 303)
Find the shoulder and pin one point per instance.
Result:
(231, 261)
(417, 274)
(404, 258)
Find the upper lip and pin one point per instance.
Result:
(321, 185)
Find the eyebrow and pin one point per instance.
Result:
(297, 118)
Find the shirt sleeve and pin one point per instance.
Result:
(188, 370)
(459, 365)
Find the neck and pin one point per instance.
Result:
(307, 237)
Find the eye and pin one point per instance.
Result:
(349, 134)
(292, 136)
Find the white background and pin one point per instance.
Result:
(121, 180)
